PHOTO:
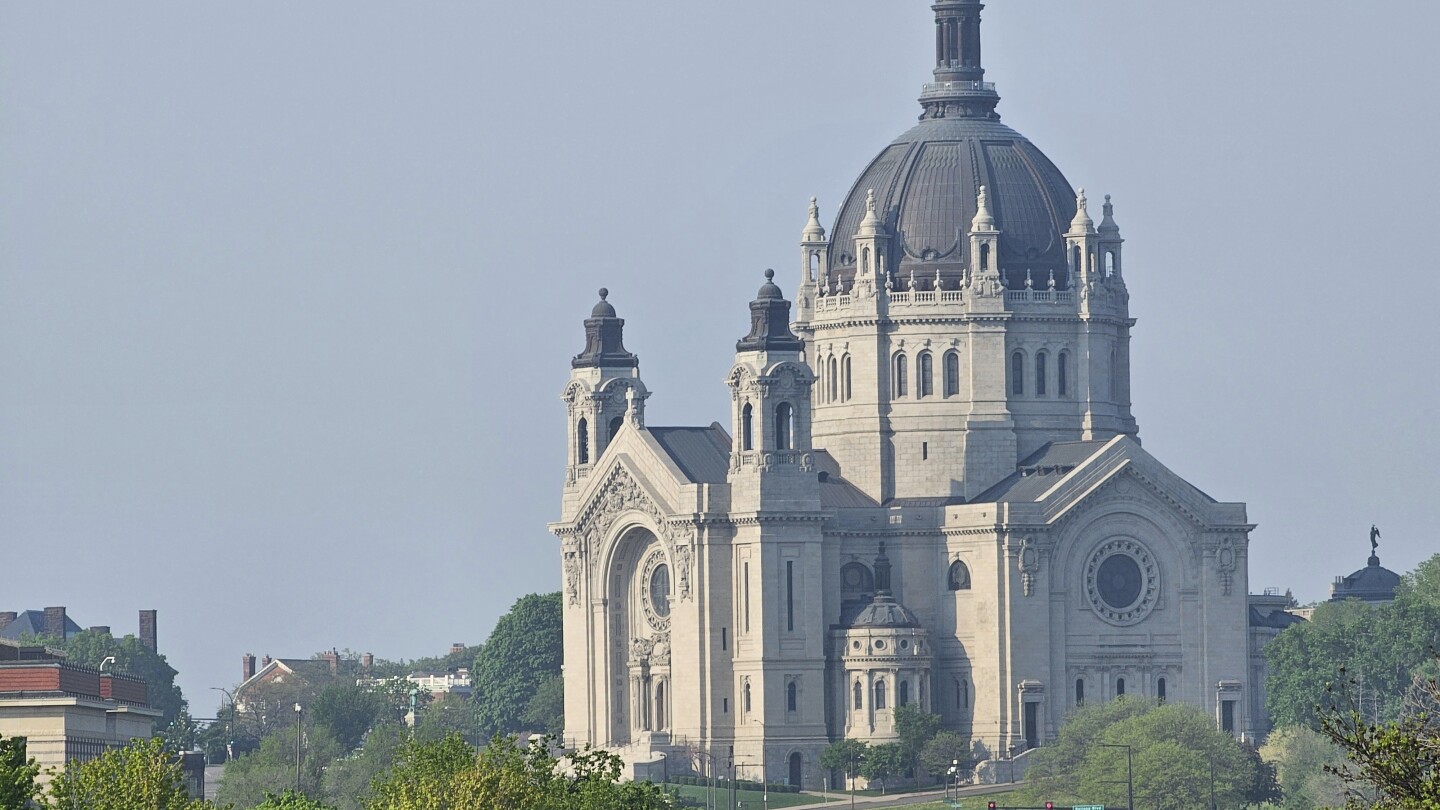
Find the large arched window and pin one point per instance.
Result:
(1041, 361)
(832, 379)
(1079, 691)
(925, 376)
(952, 374)
(792, 697)
(845, 379)
(1017, 374)
(902, 377)
(747, 427)
(959, 576)
(880, 694)
(859, 694)
(1062, 374)
(784, 426)
(856, 582)
(902, 694)
(582, 441)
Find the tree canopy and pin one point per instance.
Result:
(524, 651)
(17, 774)
(139, 776)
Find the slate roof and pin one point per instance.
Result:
(1373, 583)
(32, 623)
(702, 453)
(1278, 619)
(1040, 472)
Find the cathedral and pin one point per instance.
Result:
(929, 490)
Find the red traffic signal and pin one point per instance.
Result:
(991, 805)
(1049, 806)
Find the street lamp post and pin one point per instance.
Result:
(1129, 772)
(298, 713)
(229, 723)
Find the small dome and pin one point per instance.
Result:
(1373, 583)
(884, 611)
(769, 290)
(603, 309)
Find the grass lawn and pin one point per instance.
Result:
(967, 802)
(750, 798)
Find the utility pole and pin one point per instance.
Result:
(298, 712)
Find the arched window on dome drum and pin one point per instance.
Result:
(1017, 374)
(615, 425)
(747, 427)
(784, 426)
(1062, 374)
(902, 378)
(1119, 687)
(859, 692)
(902, 694)
(792, 697)
(1079, 691)
(845, 379)
(925, 376)
(952, 374)
(959, 576)
(582, 441)
(880, 694)
(1040, 364)
(832, 379)
(1160, 690)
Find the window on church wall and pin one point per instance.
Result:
(984, 258)
(615, 425)
(1227, 716)
(959, 576)
(1041, 361)
(902, 694)
(902, 380)
(792, 697)
(1075, 259)
(1062, 374)
(747, 697)
(833, 380)
(1079, 691)
(1119, 687)
(952, 374)
(814, 265)
(865, 261)
(784, 426)
(745, 593)
(790, 595)
(1017, 374)
(582, 441)
(747, 427)
(660, 706)
(859, 694)
(925, 382)
(845, 379)
(1160, 693)
(880, 694)
(1109, 263)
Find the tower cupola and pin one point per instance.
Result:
(769, 322)
(604, 339)
(604, 390)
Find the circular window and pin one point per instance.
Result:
(660, 590)
(904, 645)
(880, 644)
(855, 644)
(1122, 581)
(853, 577)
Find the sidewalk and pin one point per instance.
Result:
(838, 800)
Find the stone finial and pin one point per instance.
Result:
(1107, 223)
(871, 225)
(1082, 223)
(814, 231)
(984, 221)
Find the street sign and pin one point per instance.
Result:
(1089, 807)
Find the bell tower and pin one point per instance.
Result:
(604, 392)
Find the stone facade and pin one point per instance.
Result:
(931, 488)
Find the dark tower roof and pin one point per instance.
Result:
(1373, 583)
(769, 322)
(604, 339)
(926, 182)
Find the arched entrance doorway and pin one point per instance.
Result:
(797, 769)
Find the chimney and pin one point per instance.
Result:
(367, 663)
(333, 657)
(247, 667)
(457, 648)
(55, 622)
(265, 662)
(101, 628)
(7, 617)
(147, 629)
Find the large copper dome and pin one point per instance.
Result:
(927, 181)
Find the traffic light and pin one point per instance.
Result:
(1049, 806)
(991, 806)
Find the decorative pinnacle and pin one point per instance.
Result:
(1107, 223)
(769, 274)
(871, 225)
(984, 221)
(604, 293)
(1082, 223)
(814, 231)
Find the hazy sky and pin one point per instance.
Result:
(288, 291)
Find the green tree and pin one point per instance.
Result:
(348, 712)
(91, 647)
(915, 728)
(1301, 757)
(290, 800)
(523, 652)
(884, 763)
(546, 709)
(447, 715)
(348, 780)
(17, 774)
(945, 748)
(1173, 747)
(1394, 764)
(139, 776)
(845, 756)
(248, 779)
